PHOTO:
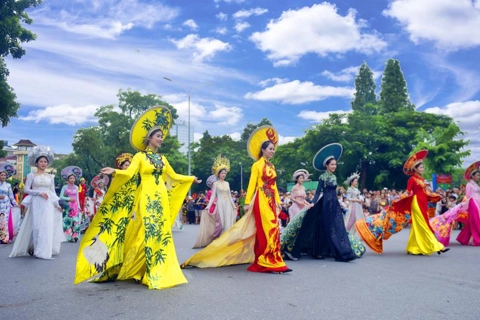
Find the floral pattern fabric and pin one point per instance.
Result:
(131, 235)
(71, 212)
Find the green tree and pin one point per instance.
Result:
(2, 153)
(247, 131)
(364, 88)
(394, 92)
(8, 105)
(207, 149)
(98, 146)
(12, 34)
(444, 148)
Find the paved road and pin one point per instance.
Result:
(389, 286)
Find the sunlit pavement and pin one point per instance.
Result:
(393, 285)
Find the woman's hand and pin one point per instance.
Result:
(246, 207)
(2, 197)
(107, 170)
(196, 180)
(44, 195)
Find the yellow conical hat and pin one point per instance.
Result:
(152, 119)
(258, 137)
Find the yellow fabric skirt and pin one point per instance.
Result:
(421, 239)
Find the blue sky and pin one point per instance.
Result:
(290, 61)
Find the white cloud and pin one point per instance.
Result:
(450, 24)
(205, 48)
(64, 70)
(221, 30)
(345, 75)
(191, 24)
(467, 79)
(102, 19)
(66, 114)
(323, 31)
(236, 136)
(318, 116)
(222, 16)
(228, 116)
(296, 92)
(348, 74)
(240, 26)
(242, 14)
(285, 140)
(467, 116)
(197, 136)
(269, 81)
(466, 113)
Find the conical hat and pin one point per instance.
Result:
(152, 119)
(409, 166)
(258, 137)
(330, 151)
(472, 169)
(68, 171)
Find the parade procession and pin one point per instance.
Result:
(238, 160)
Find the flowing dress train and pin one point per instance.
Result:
(130, 237)
(355, 210)
(467, 212)
(210, 225)
(256, 236)
(41, 230)
(320, 230)
(411, 208)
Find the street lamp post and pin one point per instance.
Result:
(189, 93)
(241, 176)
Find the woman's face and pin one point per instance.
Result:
(420, 169)
(269, 151)
(3, 176)
(155, 140)
(222, 174)
(332, 165)
(300, 179)
(42, 163)
(71, 179)
(101, 185)
(475, 177)
(125, 165)
(355, 183)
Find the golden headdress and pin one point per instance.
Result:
(220, 163)
(122, 158)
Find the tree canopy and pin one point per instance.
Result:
(12, 35)
(377, 136)
(98, 146)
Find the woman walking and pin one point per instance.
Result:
(41, 233)
(71, 210)
(131, 235)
